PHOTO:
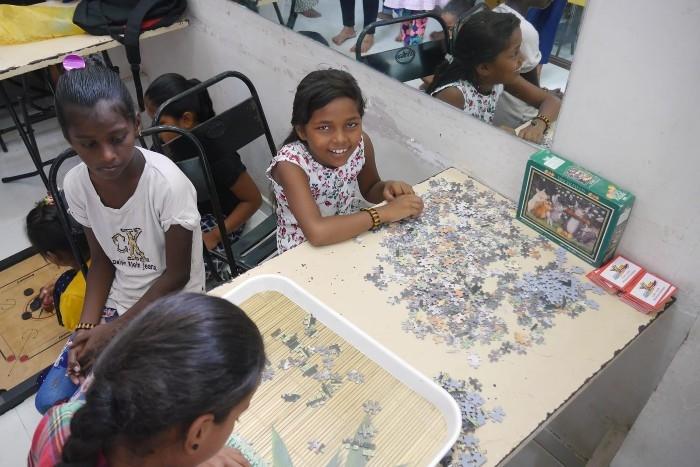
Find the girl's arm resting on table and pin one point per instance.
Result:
(320, 230)
(372, 187)
(547, 103)
(317, 229)
(249, 201)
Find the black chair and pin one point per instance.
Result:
(291, 19)
(223, 134)
(198, 171)
(410, 62)
(70, 227)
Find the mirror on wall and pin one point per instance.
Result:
(511, 74)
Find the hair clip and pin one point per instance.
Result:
(73, 62)
(47, 201)
(449, 58)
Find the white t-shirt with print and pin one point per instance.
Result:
(133, 236)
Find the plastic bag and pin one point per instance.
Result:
(20, 24)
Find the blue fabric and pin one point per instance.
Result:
(55, 385)
(546, 22)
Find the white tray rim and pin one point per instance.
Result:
(364, 343)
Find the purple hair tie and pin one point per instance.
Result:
(73, 62)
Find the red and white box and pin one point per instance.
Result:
(636, 286)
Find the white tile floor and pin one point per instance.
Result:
(16, 431)
(18, 197)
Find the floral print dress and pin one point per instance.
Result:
(476, 104)
(335, 190)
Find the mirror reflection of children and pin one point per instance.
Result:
(412, 31)
(485, 61)
(168, 390)
(138, 211)
(66, 294)
(326, 170)
(451, 14)
(238, 194)
(369, 10)
(511, 111)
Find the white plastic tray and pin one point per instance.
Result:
(364, 343)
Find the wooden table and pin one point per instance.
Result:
(532, 386)
(18, 59)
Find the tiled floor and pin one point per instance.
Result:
(16, 430)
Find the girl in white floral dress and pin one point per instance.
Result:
(486, 60)
(325, 174)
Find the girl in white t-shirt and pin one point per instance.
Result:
(485, 61)
(325, 171)
(139, 212)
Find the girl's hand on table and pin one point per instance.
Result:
(400, 208)
(534, 132)
(394, 189)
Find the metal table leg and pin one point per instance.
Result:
(27, 139)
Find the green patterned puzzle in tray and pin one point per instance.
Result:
(574, 207)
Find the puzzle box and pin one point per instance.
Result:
(574, 207)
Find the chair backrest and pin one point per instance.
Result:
(70, 227)
(227, 131)
(220, 136)
(408, 62)
(198, 170)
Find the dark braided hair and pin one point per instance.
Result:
(200, 340)
(480, 39)
(317, 90)
(46, 233)
(86, 87)
(170, 85)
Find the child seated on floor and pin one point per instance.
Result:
(139, 214)
(326, 170)
(485, 61)
(167, 390)
(238, 194)
(66, 294)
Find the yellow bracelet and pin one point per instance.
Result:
(376, 221)
(547, 122)
(85, 326)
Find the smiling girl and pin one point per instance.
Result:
(325, 173)
(485, 61)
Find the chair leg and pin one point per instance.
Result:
(278, 12)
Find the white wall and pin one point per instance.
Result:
(631, 114)
(224, 35)
(628, 114)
